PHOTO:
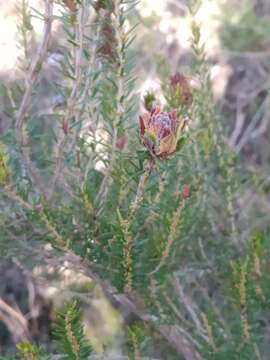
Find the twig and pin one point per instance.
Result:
(36, 65)
(183, 320)
(31, 80)
(125, 224)
(181, 6)
(215, 309)
(172, 235)
(240, 121)
(129, 309)
(104, 188)
(251, 127)
(72, 106)
(189, 308)
(179, 342)
(176, 311)
(261, 129)
(57, 237)
(15, 321)
(140, 189)
(249, 54)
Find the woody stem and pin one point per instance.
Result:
(148, 167)
(128, 248)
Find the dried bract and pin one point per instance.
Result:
(160, 132)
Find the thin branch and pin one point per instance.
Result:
(125, 224)
(31, 80)
(129, 309)
(239, 123)
(181, 344)
(189, 309)
(176, 311)
(226, 330)
(52, 230)
(72, 106)
(15, 322)
(252, 126)
(172, 235)
(104, 187)
(140, 189)
(248, 54)
(120, 40)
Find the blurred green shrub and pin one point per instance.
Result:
(169, 231)
(241, 29)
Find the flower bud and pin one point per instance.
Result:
(185, 192)
(106, 48)
(121, 142)
(181, 89)
(160, 132)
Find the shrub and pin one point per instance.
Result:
(155, 214)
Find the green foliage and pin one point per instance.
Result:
(241, 29)
(82, 180)
(69, 334)
(25, 30)
(3, 169)
(149, 100)
(27, 351)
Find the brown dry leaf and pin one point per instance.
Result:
(168, 144)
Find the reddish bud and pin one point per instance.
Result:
(65, 126)
(159, 131)
(182, 88)
(108, 43)
(121, 142)
(185, 192)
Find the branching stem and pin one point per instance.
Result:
(31, 80)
